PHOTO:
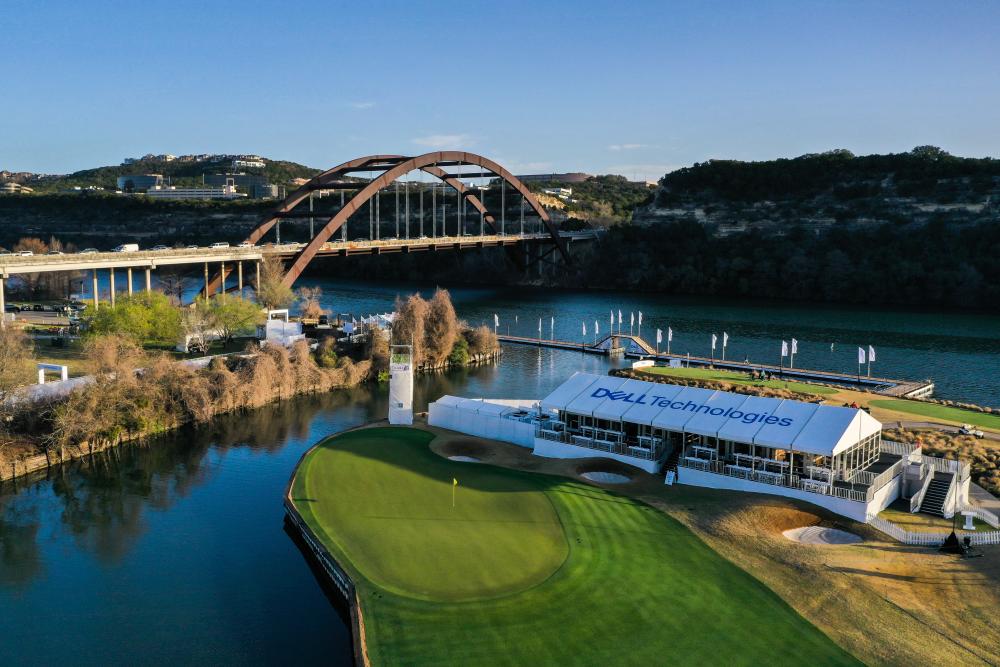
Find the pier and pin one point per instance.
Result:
(634, 347)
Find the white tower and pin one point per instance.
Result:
(401, 384)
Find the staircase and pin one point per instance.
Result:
(937, 492)
(671, 462)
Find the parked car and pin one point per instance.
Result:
(127, 247)
(11, 308)
(54, 252)
(218, 245)
(158, 248)
(245, 244)
(192, 247)
(88, 251)
(38, 308)
(969, 429)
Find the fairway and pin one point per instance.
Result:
(715, 375)
(570, 574)
(940, 412)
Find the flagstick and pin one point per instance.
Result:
(453, 495)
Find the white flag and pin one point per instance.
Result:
(552, 322)
(871, 353)
(725, 339)
(539, 327)
(795, 346)
(670, 334)
(659, 336)
(496, 320)
(584, 328)
(612, 319)
(640, 318)
(619, 316)
(631, 319)
(861, 355)
(713, 341)
(784, 349)
(597, 330)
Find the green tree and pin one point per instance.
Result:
(233, 316)
(146, 318)
(459, 353)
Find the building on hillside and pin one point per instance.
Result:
(139, 182)
(254, 185)
(171, 192)
(12, 188)
(830, 456)
(561, 193)
(572, 177)
(248, 162)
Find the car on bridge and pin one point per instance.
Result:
(158, 248)
(88, 251)
(245, 244)
(127, 247)
(25, 253)
(218, 245)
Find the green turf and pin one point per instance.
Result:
(935, 411)
(733, 377)
(636, 587)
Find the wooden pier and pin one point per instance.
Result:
(634, 347)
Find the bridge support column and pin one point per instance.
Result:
(94, 285)
(206, 281)
(112, 275)
(222, 274)
(128, 271)
(256, 285)
(149, 281)
(239, 276)
(3, 304)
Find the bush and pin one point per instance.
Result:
(459, 353)
(145, 317)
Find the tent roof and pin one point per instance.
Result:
(674, 416)
(833, 429)
(595, 394)
(634, 392)
(742, 424)
(450, 401)
(656, 396)
(786, 420)
(560, 397)
(721, 405)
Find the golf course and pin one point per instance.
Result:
(512, 567)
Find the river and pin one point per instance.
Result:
(174, 551)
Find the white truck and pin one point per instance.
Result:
(127, 247)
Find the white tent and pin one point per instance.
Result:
(784, 423)
(742, 424)
(834, 429)
(568, 390)
(595, 394)
(628, 395)
(682, 408)
(656, 396)
(721, 404)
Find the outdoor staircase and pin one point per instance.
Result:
(937, 492)
(671, 462)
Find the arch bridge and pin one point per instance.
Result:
(395, 203)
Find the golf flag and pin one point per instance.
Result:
(871, 353)
(795, 346)
(659, 336)
(861, 355)
(784, 349)
(454, 482)
(714, 338)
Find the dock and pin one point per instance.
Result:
(633, 347)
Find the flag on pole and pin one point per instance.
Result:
(861, 355)
(640, 318)
(725, 339)
(714, 338)
(612, 321)
(597, 329)
(584, 328)
(539, 327)
(784, 349)
(670, 334)
(454, 483)
(496, 320)
(619, 316)
(659, 336)
(631, 319)
(871, 353)
(795, 346)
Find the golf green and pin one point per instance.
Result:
(529, 568)
(733, 377)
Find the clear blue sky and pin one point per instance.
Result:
(626, 87)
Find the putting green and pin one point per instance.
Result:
(732, 377)
(630, 584)
(390, 508)
(940, 412)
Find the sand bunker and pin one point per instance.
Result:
(606, 477)
(464, 459)
(819, 535)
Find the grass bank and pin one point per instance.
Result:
(935, 412)
(530, 568)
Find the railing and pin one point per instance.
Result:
(792, 482)
(949, 499)
(960, 469)
(903, 449)
(623, 448)
(930, 539)
(918, 497)
(983, 515)
(884, 477)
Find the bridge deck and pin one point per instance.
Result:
(880, 385)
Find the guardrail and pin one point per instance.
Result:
(900, 448)
(918, 497)
(622, 448)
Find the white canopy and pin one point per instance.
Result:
(769, 422)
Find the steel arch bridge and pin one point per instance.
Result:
(362, 181)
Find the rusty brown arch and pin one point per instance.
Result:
(392, 168)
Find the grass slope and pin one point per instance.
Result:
(738, 378)
(937, 412)
(636, 587)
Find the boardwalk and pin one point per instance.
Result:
(635, 347)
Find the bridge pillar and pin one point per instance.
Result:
(256, 285)
(149, 281)
(112, 274)
(96, 298)
(3, 305)
(239, 276)
(128, 271)
(222, 274)
(207, 294)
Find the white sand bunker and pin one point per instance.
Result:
(606, 477)
(819, 535)
(464, 459)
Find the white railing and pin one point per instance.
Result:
(930, 539)
(764, 477)
(918, 497)
(903, 449)
(983, 515)
(960, 468)
(612, 447)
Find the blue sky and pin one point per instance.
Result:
(627, 87)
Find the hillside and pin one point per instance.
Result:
(827, 190)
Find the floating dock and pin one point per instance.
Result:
(633, 347)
